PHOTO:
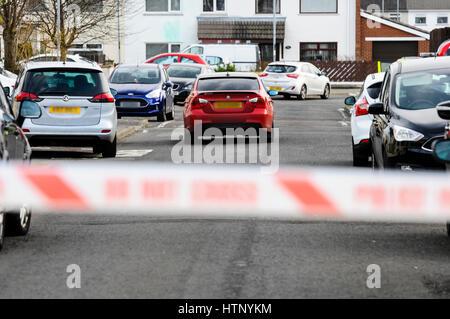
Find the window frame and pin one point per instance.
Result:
(278, 10)
(169, 48)
(317, 48)
(169, 6)
(420, 17)
(215, 8)
(318, 12)
(441, 17)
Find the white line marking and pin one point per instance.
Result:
(132, 153)
(162, 125)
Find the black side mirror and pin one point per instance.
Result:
(441, 150)
(443, 110)
(376, 109)
(113, 92)
(168, 85)
(350, 101)
(7, 91)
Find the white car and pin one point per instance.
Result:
(54, 58)
(361, 120)
(300, 79)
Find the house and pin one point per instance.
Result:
(379, 38)
(425, 14)
(307, 30)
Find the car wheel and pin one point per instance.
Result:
(286, 97)
(2, 230)
(97, 149)
(448, 229)
(387, 162)
(162, 117)
(359, 160)
(373, 161)
(171, 115)
(17, 224)
(109, 150)
(326, 93)
(303, 93)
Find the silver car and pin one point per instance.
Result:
(66, 104)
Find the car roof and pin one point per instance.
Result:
(374, 78)
(189, 64)
(143, 65)
(68, 65)
(420, 65)
(228, 74)
(294, 63)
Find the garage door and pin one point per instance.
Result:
(391, 51)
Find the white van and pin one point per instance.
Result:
(246, 57)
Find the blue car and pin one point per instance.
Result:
(143, 90)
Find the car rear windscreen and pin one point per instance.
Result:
(281, 69)
(185, 72)
(228, 84)
(136, 75)
(72, 82)
(374, 90)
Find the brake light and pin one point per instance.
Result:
(25, 96)
(258, 102)
(198, 103)
(102, 98)
(293, 76)
(362, 108)
(263, 75)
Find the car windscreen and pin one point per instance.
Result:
(281, 69)
(136, 75)
(422, 90)
(186, 72)
(228, 84)
(73, 82)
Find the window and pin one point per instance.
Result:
(195, 50)
(266, 6)
(213, 5)
(228, 84)
(394, 16)
(314, 52)
(166, 60)
(421, 20)
(318, 6)
(133, 75)
(153, 49)
(442, 20)
(162, 5)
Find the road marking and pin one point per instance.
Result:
(345, 124)
(132, 153)
(162, 125)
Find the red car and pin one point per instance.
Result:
(167, 59)
(229, 100)
(444, 49)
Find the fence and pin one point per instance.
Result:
(347, 71)
(438, 36)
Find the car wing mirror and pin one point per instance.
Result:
(168, 85)
(350, 101)
(30, 110)
(376, 109)
(441, 150)
(113, 92)
(443, 110)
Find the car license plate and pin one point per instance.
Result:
(130, 104)
(64, 110)
(275, 88)
(228, 105)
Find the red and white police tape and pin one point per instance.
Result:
(205, 191)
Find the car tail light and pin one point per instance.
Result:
(258, 102)
(25, 96)
(102, 98)
(198, 103)
(263, 75)
(362, 108)
(293, 76)
(25, 130)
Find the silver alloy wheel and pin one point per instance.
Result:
(327, 92)
(2, 228)
(303, 92)
(24, 216)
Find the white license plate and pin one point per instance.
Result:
(130, 104)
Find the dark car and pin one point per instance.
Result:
(406, 123)
(183, 76)
(14, 146)
(143, 90)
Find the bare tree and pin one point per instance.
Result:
(12, 14)
(89, 19)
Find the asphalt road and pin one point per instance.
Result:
(129, 257)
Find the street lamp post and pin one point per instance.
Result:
(118, 28)
(58, 29)
(274, 30)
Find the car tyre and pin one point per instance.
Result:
(2, 230)
(109, 150)
(448, 229)
(387, 162)
(326, 93)
(17, 224)
(162, 117)
(171, 115)
(359, 160)
(303, 93)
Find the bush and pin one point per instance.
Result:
(226, 68)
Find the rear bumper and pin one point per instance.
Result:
(291, 87)
(258, 118)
